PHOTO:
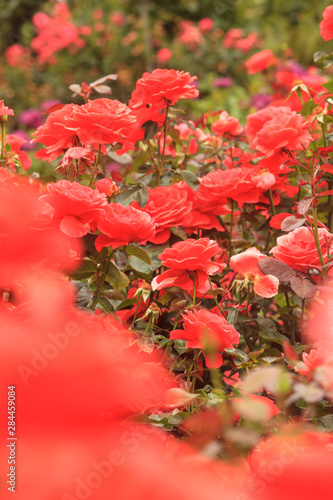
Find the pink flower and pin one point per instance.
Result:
(246, 264)
(207, 331)
(227, 124)
(326, 25)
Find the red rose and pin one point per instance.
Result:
(326, 25)
(99, 122)
(75, 207)
(298, 248)
(260, 61)
(227, 124)
(257, 120)
(189, 262)
(168, 207)
(123, 225)
(16, 143)
(160, 86)
(207, 331)
(286, 130)
(240, 184)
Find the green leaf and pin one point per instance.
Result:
(237, 353)
(139, 252)
(328, 86)
(117, 278)
(233, 316)
(137, 193)
(267, 331)
(87, 269)
(191, 179)
(308, 107)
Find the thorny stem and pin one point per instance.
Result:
(3, 140)
(230, 230)
(96, 165)
(271, 201)
(137, 310)
(106, 268)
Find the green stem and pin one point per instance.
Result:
(96, 165)
(316, 237)
(164, 134)
(3, 140)
(154, 163)
(137, 310)
(271, 201)
(231, 226)
(215, 299)
(194, 291)
(106, 268)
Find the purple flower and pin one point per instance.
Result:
(48, 104)
(31, 118)
(260, 101)
(224, 82)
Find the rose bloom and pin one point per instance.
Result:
(227, 124)
(260, 61)
(257, 120)
(206, 24)
(99, 122)
(217, 186)
(189, 261)
(286, 130)
(123, 225)
(107, 186)
(75, 207)
(246, 264)
(168, 207)
(207, 331)
(162, 85)
(298, 248)
(163, 55)
(4, 110)
(326, 25)
(312, 359)
(16, 143)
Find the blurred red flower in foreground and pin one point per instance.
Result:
(326, 25)
(246, 264)
(207, 331)
(190, 265)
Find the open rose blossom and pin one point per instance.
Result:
(75, 207)
(168, 207)
(190, 264)
(96, 123)
(123, 225)
(207, 331)
(227, 125)
(288, 131)
(241, 184)
(260, 61)
(246, 264)
(326, 25)
(298, 248)
(160, 86)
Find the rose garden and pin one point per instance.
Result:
(166, 267)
